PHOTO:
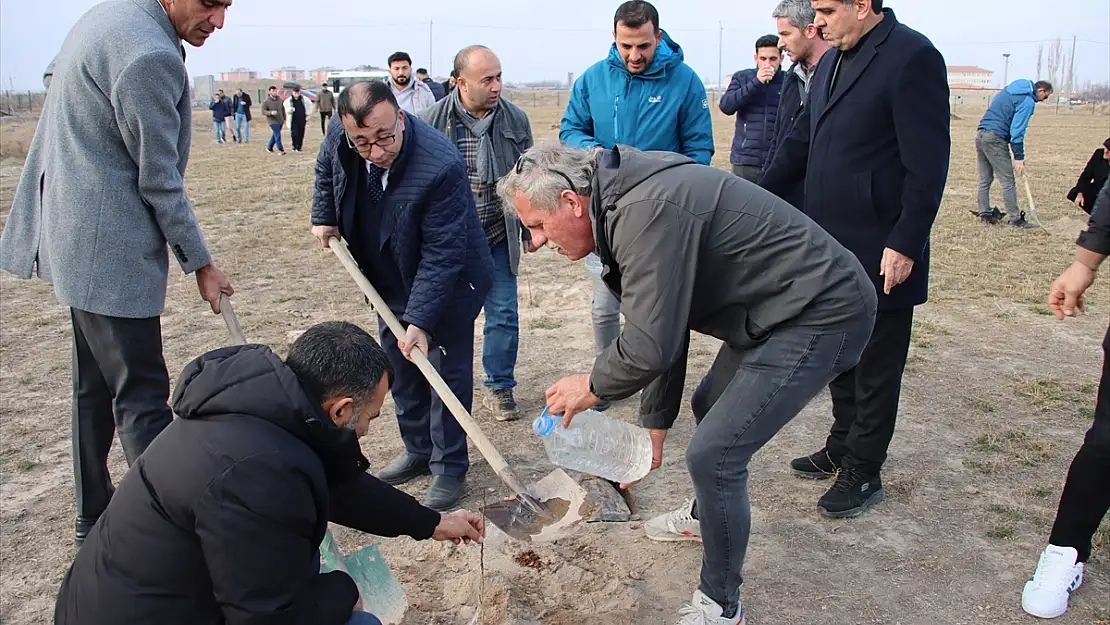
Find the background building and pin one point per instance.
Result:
(238, 74)
(317, 76)
(970, 77)
(287, 74)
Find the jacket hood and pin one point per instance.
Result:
(623, 168)
(667, 56)
(250, 380)
(1021, 87)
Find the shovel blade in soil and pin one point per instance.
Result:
(382, 595)
(563, 502)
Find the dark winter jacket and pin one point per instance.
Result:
(1091, 180)
(687, 246)
(1097, 236)
(756, 108)
(791, 105)
(246, 101)
(220, 519)
(437, 89)
(874, 156)
(429, 221)
(220, 110)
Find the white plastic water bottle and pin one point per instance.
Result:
(596, 445)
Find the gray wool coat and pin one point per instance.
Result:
(102, 191)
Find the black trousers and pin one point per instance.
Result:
(865, 398)
(1086, 496)
(297, 131)
(428, 428)
(324, 117)
(120, 384)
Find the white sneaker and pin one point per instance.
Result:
(1057, 575)
(675, 526)
(705, 611)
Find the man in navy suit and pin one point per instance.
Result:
(397, 190)
(872, 146)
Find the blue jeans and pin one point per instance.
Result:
(502, 331)
(242, 127)
(605, 308)
(221, 130)
(743, 401)
(276, 138)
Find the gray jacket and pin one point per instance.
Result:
(102, 190)
(515, 139)
(688, 246)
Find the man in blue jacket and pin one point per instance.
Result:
(397, 190)
(753, 97)
(1005, 122)
(644, 96)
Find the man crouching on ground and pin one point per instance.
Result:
(687, 246)
(220, 520)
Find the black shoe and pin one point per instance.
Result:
(502, 404)
(852, 494)
(84, 527)
(816, 466)
(404, 468)
(444, 493)
(1021, 223)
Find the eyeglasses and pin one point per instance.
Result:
(524, 159)
(381, 142)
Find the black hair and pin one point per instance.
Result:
(636, 13)
(1107, 144)
(1043, 84)
(338, 359)
(271, 88)
(399, 56)
(767, 41)
(421, 70)
(361, 97)
(454, 73)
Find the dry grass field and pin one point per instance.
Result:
(996, 399)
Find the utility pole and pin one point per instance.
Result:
(431, 72)
(1006, 71)
(720, 51)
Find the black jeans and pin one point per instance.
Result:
(865, 399)
(428, 428)
(1086, 496)
(297, 131)
(324, 117)
(750, 173)
(120, 384)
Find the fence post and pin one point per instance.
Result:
(559, 100)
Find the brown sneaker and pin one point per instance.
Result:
(501, 403)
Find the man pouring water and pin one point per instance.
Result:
(688, 246)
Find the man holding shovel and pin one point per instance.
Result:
(222, 519)
(397, 191)
(1001, 131)
(101, 198)
(688, 246)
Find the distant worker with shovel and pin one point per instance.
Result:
(1001, 131)
(691, 247)
(220, 521)
(397, 191)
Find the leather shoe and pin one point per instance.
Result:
(444, 493)
(404, 468)
(84, 527)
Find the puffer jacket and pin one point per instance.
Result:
(755, 106)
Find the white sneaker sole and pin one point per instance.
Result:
(671, 537)
(1039, 614)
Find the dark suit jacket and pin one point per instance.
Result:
(1091, 180)
(875, 156)
(429, 222)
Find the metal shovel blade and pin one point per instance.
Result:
(382, 595)
(547, 512)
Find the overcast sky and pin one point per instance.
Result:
(545, 40)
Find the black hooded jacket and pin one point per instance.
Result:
(219, 521)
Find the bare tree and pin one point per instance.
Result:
(1055, 61)
(1040, 60)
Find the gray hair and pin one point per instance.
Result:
(543, 173)
(799, 12)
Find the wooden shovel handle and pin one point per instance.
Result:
(469, 425)
(232, 322)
